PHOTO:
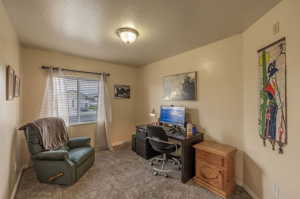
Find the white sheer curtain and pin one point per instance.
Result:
(104, 116)
(55, 97)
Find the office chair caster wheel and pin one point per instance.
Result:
(166, 175)
(155, 173)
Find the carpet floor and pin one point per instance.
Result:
(120, 174)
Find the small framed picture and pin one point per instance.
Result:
(9, 83)
(17, 85)
(122, 91)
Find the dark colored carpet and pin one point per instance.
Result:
(118, 175)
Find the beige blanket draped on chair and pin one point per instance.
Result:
(53, 132)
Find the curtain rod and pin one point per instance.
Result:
(76, 71)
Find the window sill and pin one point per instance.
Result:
(82, 123)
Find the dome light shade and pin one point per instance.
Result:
(127, 35)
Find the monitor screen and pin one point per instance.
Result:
(172, 115)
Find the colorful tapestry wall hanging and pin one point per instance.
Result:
(272, 94)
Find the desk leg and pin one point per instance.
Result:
(188, 159)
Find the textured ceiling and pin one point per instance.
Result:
(167, 27)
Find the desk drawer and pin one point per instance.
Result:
(210, 158)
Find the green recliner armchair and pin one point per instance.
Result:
(63, 166)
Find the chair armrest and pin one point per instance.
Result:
(79, 142)
(52, 155)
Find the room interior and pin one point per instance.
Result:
(222, 42)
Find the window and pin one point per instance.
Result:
(82, 99)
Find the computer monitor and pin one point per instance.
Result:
(174, 115)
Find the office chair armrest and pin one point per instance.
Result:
(162, 141)
(52, 155)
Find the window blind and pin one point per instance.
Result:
(82, 99)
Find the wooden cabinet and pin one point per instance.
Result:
(215, 167)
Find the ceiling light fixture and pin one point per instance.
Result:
(127, 35)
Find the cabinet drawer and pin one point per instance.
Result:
(209, 174)
(210, 158)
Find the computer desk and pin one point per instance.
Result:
(187, 154)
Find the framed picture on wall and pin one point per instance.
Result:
(122, 91)
(9, 83)
(180, 86)
(17, 85)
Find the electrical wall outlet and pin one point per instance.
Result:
(276, 191)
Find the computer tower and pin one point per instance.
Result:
(142, 145)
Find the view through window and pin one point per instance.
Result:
(82, 97)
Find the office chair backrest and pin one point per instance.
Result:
(157, 132)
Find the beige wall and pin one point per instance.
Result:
(9, 110)
(264, 167)
(35, 80)
(219, 108)
(226, 107)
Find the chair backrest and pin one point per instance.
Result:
(33, 139)
(159, 133)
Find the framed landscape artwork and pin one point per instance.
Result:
(272, 94)
(17, 84)
(122, 91)
(180, 86)
(9, 83)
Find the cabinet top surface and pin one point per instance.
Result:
(214, 147)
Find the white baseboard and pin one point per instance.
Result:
(239, 182)
(120, 142)
(251, 193)
(114, 144)
(100, 148)
(13, 194)
(247, 188)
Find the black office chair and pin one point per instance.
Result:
(159, 142)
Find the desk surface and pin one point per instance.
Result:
(182, 137)
(178, 135)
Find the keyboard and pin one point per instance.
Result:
(173, 133)
(167, 129)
